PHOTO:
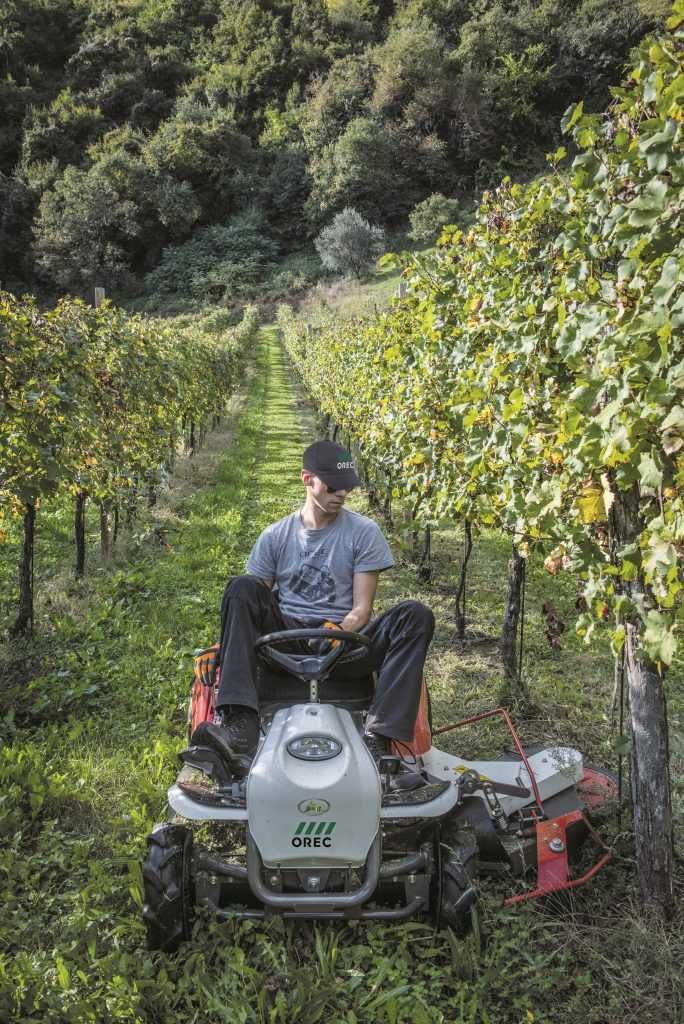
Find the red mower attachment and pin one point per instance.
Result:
(553, 870)
(595, 790)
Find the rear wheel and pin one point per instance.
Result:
(167, 910)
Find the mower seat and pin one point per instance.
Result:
(278, 689)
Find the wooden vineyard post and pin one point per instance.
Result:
(650, 775)
(649, 750)
(460, 634)
(463, 636)
(99, 296)
(424, 556)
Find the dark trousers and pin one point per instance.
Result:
(399, 638)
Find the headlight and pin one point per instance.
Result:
(314, 748)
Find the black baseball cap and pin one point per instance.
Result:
(332, 463)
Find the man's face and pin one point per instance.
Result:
(329, 501)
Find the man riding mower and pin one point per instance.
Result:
(310, 730)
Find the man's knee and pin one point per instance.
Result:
(417, 614)
(245, 587)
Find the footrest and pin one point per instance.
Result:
(207, 760)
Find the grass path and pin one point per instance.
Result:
(82, 785)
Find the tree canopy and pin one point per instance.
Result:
(183, 115)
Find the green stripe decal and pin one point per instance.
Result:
(315, 828)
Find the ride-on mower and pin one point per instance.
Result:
(329, 834)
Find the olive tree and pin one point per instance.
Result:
(349, 244)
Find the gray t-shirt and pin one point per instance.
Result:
(314, 569)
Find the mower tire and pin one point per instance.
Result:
(454, 896)
(458, 895)
(167, 910)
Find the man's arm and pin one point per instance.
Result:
(364, 586)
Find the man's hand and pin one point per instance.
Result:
(332, 625)
(364, 586)
(206, 664)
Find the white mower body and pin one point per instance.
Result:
(319, 813)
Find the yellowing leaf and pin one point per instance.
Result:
(590, 505)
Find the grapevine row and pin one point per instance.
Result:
(94, 401)
(533, 379)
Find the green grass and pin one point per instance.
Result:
(89, 745)
(346, 297)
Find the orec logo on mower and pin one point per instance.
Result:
(313, 806)
(312, 835)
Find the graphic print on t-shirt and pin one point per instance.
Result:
(314, 583)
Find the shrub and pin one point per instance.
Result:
(221, 260)
(429, 217)
(349, 244)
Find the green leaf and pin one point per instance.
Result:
(672, 430)
(650, 474)
(572, 116)
(659, 640)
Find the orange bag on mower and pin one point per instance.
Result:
(204, 689)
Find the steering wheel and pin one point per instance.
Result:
(351, 647)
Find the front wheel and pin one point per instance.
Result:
(168, 906)
(455, 895)
(458, 895)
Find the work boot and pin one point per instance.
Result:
(234, 734)
(379, 746)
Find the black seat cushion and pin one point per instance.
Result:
(282, 689)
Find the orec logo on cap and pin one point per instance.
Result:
(333, 463)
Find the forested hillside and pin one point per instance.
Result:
(201, 141)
